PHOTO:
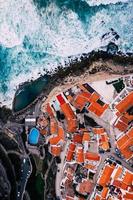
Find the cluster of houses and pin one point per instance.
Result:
(63, 126)
(125, 144)
(114, 182)
(76, 182)
(66, 114)
(123, 119)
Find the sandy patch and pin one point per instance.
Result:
(74, 80)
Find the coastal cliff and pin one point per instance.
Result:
(89, 64)
(95, 64)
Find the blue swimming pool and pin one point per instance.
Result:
(33, 136)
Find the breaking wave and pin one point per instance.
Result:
(104, 2)
(39, 35)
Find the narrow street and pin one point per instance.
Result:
(112, 153)
(60, 170)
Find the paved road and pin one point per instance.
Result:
(124, 163)
(26, 170)
(38, 108)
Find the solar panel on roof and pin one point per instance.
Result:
(89, 88)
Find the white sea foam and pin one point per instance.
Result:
(66, 38)
(56, 33)
(8, 37)
(104, 2)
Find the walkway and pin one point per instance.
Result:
(59, 174)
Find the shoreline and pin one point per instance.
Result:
(92, 63)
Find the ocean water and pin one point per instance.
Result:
(27, 94)
(38, 35)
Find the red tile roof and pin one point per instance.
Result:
(128, 196)
(72, 125)
(77, 138)
(53, 126)
(92, 156)
(118, 172)
(97, 108)
(54, 140)
(106, 174)
(79, 155)
(86, 97)
(121, 125)
(49, 110)
(117, 183)
(81, 99)
(67, 110)
(55, 150)
(125, 183)
(89, 166)
(70, 152)
(123, 105)
(125, 142)
(97, 197)
(104, 193)
(128, 178)
(86, 137)
(98, 130)
(121, 141)
(124, 186)
(61, 133)
(60, 99)
(70, 117)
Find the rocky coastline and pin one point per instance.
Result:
(93, 63)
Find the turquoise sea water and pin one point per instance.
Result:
(29, 92)
(40, 34)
